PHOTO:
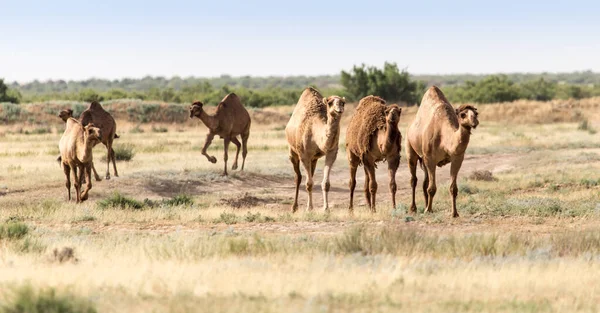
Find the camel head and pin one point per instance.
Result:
(335, 105)
(196, 108)
(65, 114)
(392, 114)
(467, 116)
(91, 133)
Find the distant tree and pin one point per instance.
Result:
(494, 88)
(8, 95)
(389, 83)
(539, 89)
(89, 95)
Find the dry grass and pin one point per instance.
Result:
(527, 239)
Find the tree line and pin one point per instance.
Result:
(389, 82)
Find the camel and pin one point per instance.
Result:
(373, 136)
(65, 115)
(312, 132)
(76, 155)
(439, 135)
(98, 116)
(230, 120)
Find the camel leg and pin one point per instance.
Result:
(325, 185)
(67, 170)
(367, 192)
(244, 148)
(392, 168)
(413, 159)
(309, 182)
(354, 162)
(87, 170)
(76, 183)
(372, 184)
(454, 168)
(425, 186)
(209, 139)
(237, 144)
(108, 158)
(226, 141)
(296, 163)
(431, 189)
(96, 173)
(113, 158)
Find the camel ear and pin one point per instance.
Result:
(70, 111)
(326, 100)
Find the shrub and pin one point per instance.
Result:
(227, 218)
(11, 112)
(119, 201)
(123, 152)
(26, 300)
(13, 230)
(180, 199)
(159, 129)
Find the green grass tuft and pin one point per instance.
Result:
(119, 201)
(13, 230)
(27, 300)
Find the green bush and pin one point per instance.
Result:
(119, 201)
(13, 230)
(123, 152)
(27, 300)
(180, 199)
(10, 112)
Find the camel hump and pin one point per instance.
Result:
(369, 101)
(310, 93)
(434, 95)
(230, 98)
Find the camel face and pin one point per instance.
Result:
(65, 114)
(93, 133)
(393, 114)
(468, 117)
(196, 108)
(335, 105)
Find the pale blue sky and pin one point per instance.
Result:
(115, 39)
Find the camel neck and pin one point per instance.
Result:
(461, 139)
(332, 132)
(390, 135)
(209, 120)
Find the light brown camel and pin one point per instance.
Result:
(373, 136)
(230, 120)
(98, 116)
(68, 113)
(439, 135)
(312, 132)
(75, 147)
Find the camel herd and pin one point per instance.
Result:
(439, 135)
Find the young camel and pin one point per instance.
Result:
(312, 132)
(75, 147)
(373, 136)
(65, 115)
(439, 135)
(230, 120)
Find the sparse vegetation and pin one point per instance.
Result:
(119, 201)
(28, 300)
(13, 230)
(123, 152)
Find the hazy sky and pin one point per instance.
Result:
(115, 39)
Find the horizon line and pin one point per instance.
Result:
(288, 76)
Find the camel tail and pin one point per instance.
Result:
(116, 136)
(421, 164)
(59, 159)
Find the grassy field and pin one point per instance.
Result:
(172, 235)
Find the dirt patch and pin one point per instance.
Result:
(172, 187)
(247, 201)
